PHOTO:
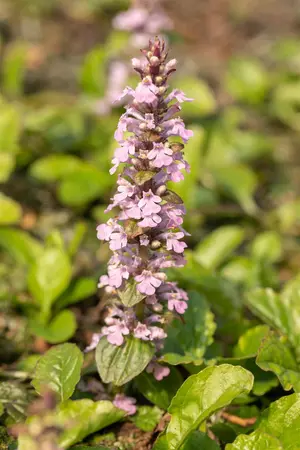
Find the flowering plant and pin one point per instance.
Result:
(146, 234)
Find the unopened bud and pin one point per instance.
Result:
(161, 276)
(159, 80)
(155, 244)
(135, 161)
(161, 190)
(149, 55)
(177, 147)
(157, 307)
(171, 65)
(154, 61)
(162, 90)
(142, 126)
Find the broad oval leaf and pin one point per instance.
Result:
(54, 167)
(10, 210)
(159, 392)
(118, 365)
(267, 246)
(249, 343)
(274, 355)
(59, 370)
(61, 328)
(278, 428)
(147, 417)
(188, 340)
(23, 247)
(142, 176)
(48, 277)
(201, 395)
(218, 245)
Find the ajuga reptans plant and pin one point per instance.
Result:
(146, 234)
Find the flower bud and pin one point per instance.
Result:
(171, 65)
(161, 190)
(155, 244)
(159, 80)
(154, 61)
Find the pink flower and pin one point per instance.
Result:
(146, 92)
(127, 404)
(179, 95)
(173, 243)
(157, 333)
(161, 155)
(94, 342)
(105, 230)
(144, 240)
(177, 305)
(115, 332)
(122, 153)
(116, 275)
(147, 282)
(118, 239)
(175, 127)
(134, 18)
(158, 371)
(148, 204)
(141, 332)
(150, 221)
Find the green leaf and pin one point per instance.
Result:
(239, 182)
(198, 440)
(78, 290)
(54, 167)
(83, 185)
(267, 247)
(24, 248)
(143, 176)
(7, 164)
(118, 365)
(249, 343)
(190, 337)
(14, 66)
(274, 355)
(247, 80)
(48, 277)
(59, 370)
(61, 328)
(147, 417)
(196, 89)
(10, 210)
(9, 128)
(93, 74)
(216, 247)
(15, 399)
(277, 429)
(87, 417)
(159, 392)
(130, 296)
(200, 396)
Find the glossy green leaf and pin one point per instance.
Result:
(198, 440)
(159, 392)
(277, 429)
(267, 247)
(86, 417)
(10, 210)
(147, 417)
(274, 355)
(23, 247)
(129, 295)
(15, 399)
(120, 364)
(9, 128)
(200, 396)
(61, 328)
(7, 164)
(190, 338)
(93, 73)
(59, 370)
(247, 80)
(54, 167)
(239, 182)
(83, 185)
(78, 290)
(48, 277)
(218, 245)
(249, 343)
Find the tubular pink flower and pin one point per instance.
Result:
(146, 235)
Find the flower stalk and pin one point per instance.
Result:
(146, 234)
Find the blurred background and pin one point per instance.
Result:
(62, 62)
